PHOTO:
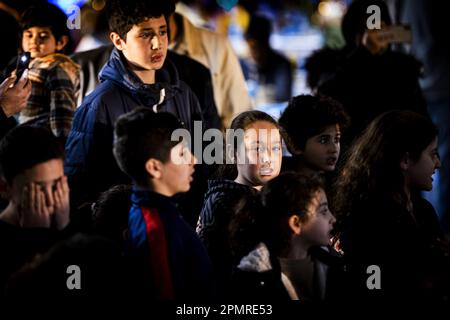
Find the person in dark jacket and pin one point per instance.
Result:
(428, 20)
(193, 73)
(372, 78)
(221, 199)
(168, 260)
(198, 78)
(280, 241)
(271, 72)
(261, 162)
(31, 169)
(137, 74)
(383, 222)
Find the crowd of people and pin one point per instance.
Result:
(92, 176)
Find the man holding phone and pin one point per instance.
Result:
(371, 78)
(377, 41)
(13, 98)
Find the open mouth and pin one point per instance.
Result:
(157, 58)
(331, 161)
(266, 171)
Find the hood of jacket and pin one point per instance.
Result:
(227, 187)
(166, 86)
(258, 260)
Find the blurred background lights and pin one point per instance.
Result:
(331, 9)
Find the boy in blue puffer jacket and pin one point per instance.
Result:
(134, 76)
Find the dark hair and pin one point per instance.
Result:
(123, 14)
(26, 146)
(354, 21)
(140, 135)
(307, 116)
(110, 212)
(46, 15)
(259, 29)
(241, 122)
(264, 217)
(371, 172)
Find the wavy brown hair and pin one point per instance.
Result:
(371, 172)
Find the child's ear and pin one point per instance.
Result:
(61, 43)
(154, 168)
(295, 224)
(116, 40)
(405, 162)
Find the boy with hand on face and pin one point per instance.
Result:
(31, 168)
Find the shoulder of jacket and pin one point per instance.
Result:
(103, 95)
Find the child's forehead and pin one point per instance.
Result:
(261, 128)
(38, 29)
(44, 171)
(330, 129)
(263, 135)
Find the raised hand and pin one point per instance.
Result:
(61, 214)
(13, 98)
(34, 211)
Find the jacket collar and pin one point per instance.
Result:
(150, 199)
(167, 79)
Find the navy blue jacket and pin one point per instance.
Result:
(90, 164)
(218, 208)
(189, 265)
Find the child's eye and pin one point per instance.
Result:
(43, 35)
(146, 35)
(261, 149)
(276, 148)
(323, 140)
(162, 33)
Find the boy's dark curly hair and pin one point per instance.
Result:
(307, 116)
(123, 14)
(140, 135)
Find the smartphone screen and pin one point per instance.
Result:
(22, 64)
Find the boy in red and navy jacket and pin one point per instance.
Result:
(168, 261)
